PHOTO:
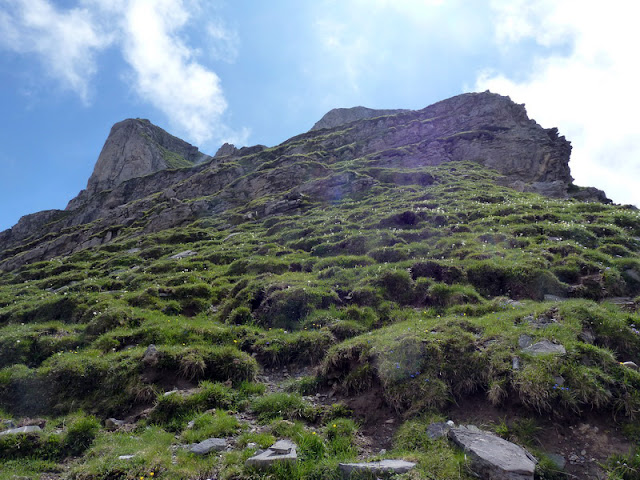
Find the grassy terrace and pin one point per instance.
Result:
(419, 294)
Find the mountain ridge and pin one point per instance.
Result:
(132, 167)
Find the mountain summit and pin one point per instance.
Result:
(135, 148)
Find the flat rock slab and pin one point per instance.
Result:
(524, 341)
(28, 429)
(281, 451)
(382, 468)
(493, 457)
(181, 255)
(209, 445)
(545, 347)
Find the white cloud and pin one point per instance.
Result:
(166, 70)
(347, 50)
(224, 42)
(585, 83)
(65, 42)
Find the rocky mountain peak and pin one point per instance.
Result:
(135, 148)
(137, 186)
(341, 116)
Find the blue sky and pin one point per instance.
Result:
(254, 72)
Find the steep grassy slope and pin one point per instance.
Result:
(420, 289)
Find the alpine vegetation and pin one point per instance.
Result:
(378, 296)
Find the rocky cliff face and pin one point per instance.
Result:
(135, 148)
(146, 180)
(341, 116)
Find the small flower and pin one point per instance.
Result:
(313, 433)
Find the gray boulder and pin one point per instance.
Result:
(151, 355)
(524, 341)
(437, 430)
(493, 457)
(209, 445)
(281, 451)
(185, 254)
(27, 429)
(113, 423)
(382, 468)
(545, 347)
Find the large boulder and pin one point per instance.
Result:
(492, 457)
(209, 445)
(27, 429)
(545, 347)
(281, 451)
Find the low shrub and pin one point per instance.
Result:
(285, 308)
(494, 278)
(80, 434)
(306, 347)
(275, 405)
(174, 409)
(396, 285)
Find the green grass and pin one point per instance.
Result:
(406, 287)
(208, 425)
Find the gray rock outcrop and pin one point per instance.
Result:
(545, 347)
(341, 116)
(209, 445)
(281, 451)
(226, 150)
(135, 148)
(438, 430)
(27, 429)
(135, 189)
(493, 457)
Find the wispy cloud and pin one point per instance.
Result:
(224, 42)
(166, 71)
(584, 83)
(346, 48)
(65, 42)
